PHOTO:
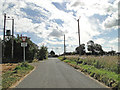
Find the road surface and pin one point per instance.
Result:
(53, 73)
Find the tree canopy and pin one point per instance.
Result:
(32, 50)
(42, 53)
(52, 53)
(81, 49)
(94, 48)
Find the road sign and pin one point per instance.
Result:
(24, 38)
(24, 44)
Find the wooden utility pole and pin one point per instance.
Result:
(3, 37)
(12, 38)
(64, 46)
(4, 27)
(79, 37)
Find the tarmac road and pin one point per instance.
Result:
(53, 73)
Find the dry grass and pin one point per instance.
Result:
(7, 67)
(107, 62)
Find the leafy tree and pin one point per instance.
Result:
(42, 53)
(81, 49)
(18, 50)
(52, 53)
(7, 49)
(31, 50)
(90, 45)
(112, 52)
(96, 49)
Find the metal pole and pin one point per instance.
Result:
(24, 53)
(64, 46)
(12, 38)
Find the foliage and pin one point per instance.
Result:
(10, 77)
(96, 49)
(112, 52)
(42, 53)
(61, 58)
(109, 78)
(52, 53)
(31, 50)
(109, 63)
(80, 49)
(35, 60)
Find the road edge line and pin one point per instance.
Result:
(14, 85)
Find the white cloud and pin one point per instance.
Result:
(56, 33)
(111, 21)
(109, 47)
(113, 41)
(54, 42)
(100, 41)
(89, 27)
(101, 7)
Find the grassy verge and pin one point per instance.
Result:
(109, 78)
(11, 77)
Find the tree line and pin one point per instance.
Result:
(93, 48)
(32, 51)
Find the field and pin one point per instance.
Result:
(102, 68)
(109, 63)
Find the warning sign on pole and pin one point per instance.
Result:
(24, 38)
(24, 44)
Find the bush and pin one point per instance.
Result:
(97, 64)
(92, 74)
(35, 60)
(17, 68)
(42, 53)
(24, 64)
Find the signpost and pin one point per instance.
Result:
(24, 44)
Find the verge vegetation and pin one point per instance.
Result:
(104, 69)
(11, 77)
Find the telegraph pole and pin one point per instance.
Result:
(79, 37)
(12, 38)
(4, 36)
(64, 46)
(4, 26)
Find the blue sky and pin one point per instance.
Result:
(47, 22)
